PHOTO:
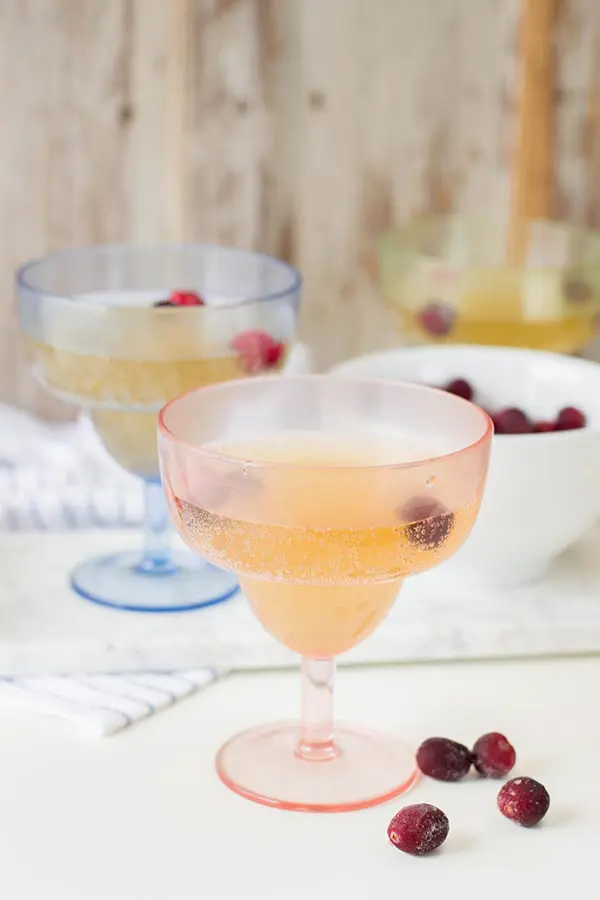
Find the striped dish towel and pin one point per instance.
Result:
(101, 705)
(59, 478)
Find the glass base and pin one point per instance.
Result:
(182, 583)
(369, 768)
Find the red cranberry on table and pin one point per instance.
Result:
(436, 319)
(544, 427)
(493, 756)
(443, 759)
(524, 800)
(419, 829)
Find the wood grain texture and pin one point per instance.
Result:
(82, 158)
(533, 168)
(298, 127)
(409, 121)
(577, 101)
(577, 98)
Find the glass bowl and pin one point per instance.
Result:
(323, 501)
(457, 280)
(100, 334)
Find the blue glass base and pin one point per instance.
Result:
(179, 583)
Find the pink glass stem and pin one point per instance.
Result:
(316, 742)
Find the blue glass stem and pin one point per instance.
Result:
(156, 552)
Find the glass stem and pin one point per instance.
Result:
(316, 742)
(156, 553)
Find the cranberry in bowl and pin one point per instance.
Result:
(543, 488)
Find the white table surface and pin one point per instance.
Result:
(46, 628)
(142, 816)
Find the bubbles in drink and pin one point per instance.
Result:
(320, 558)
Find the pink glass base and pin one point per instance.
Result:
(364, 768)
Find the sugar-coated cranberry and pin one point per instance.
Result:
(493, 755)
(577, 291)
(443, 759)
(186, 298)
(429, 522)
(181, 298)
(511, 421)
(569, 419)
(437, 319)
(419, 829)
(257, 351)
(524, 800)
(461, 388)
(273, 354)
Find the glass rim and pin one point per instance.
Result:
(406, 235)
(188, 446)
(23, 271)
(490, 220)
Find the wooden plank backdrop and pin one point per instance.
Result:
(298, 127)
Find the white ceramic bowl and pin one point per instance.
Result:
(543, 490)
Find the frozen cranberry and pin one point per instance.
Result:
(257, 351)
(443, 759)
(493, 756)
(419, 829)
(273, 354)
(524, 800)
(569, 419)
(430, 522)
(437, 319)
(544, 426)
(186, 298)
(182, 298)
(511, 421)
(461, 388)
(576, 290)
